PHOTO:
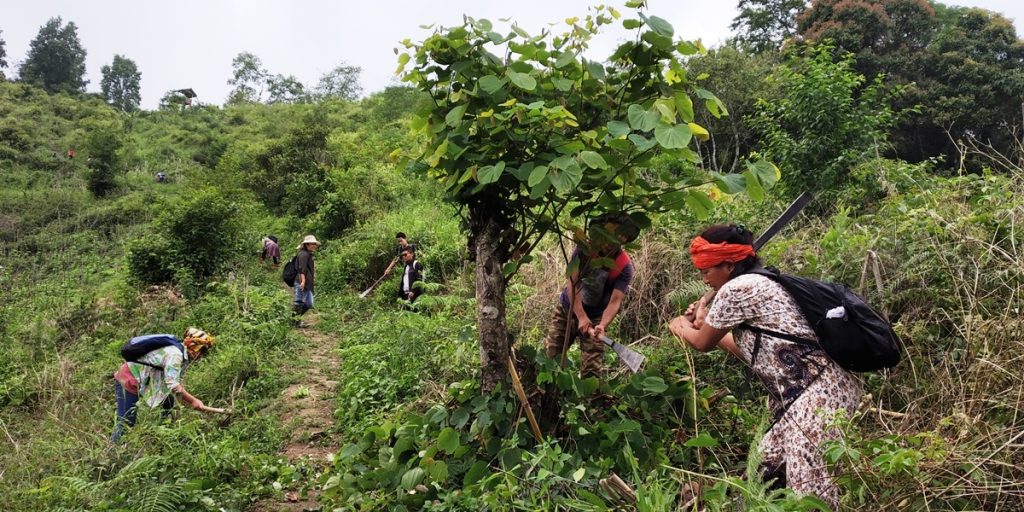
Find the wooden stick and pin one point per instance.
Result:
(518, 386)
(616, 487)
(206, 408)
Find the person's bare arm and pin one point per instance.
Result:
(705, 339)
(188, 398)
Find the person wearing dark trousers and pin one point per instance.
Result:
(304, 277)
(158, 377)
(412, 274)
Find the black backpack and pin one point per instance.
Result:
(850, 331)
(139, 346)
(289, 272)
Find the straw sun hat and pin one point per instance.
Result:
(310, 239)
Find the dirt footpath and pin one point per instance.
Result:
(306, 409)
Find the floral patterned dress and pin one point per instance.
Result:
(806, 388)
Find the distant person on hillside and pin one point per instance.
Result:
(161, 177)
(157, 376)
(305, 270)
(271, 251)
(401, 242)
(593, 295)
(412, 274)
(71, 153)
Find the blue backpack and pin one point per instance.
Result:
(139, 346)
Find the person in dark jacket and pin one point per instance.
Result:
(304, 277)
(413, 273)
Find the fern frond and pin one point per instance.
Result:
(159, 498)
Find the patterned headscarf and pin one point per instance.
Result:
(197, 341)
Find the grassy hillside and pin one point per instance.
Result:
(939, 254)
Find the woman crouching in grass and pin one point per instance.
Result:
(805, 386)
(158, 376)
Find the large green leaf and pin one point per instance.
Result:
(754, 187)
(537, 175)
(767, 173)
(642, 143)
(673, 137)
(641, 119)
(448, 440)
(593, 160)
(699, 131)
(476, 472)
(661, 26)
(596, 70)
(412, 478)
(631, 24)
(704, 440)
(490, 84)
(654, 384)
(490, 173)
(699, 203)
(454, 116)
(562, 84)
(730, 183)
(564, 60)
(617, 128)
(522, 80)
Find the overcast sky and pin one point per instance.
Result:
(190, 43)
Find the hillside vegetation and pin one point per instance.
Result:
(95, 251)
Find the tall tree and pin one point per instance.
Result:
(3, 54)
(56, 59)
(248, 77)
(764, 25)
(285, 89)
(543, 139)
(341, 82)
(971, 85)
(120, 84)
(886, 36)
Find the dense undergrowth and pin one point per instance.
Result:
(938, 253)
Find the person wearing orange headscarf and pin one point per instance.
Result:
(157, 377)
(806, 388)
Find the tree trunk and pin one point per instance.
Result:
(490, 304)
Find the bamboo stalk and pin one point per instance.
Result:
(518, 386)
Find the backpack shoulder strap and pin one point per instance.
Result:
(621, 261)
(781, 335)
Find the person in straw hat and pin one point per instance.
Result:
(157, 375)
(304, 272)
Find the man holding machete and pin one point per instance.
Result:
(592, 297)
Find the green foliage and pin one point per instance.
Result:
(120, 84)
(3, 55)
(248, 77)
(825, 120)
(764, 25)
(292, 173)
(370, 247)
(56, 59)
(285, 89)
(738, 77)
(523, 140)
(342, 82)
(196, 237)
(104, 140)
